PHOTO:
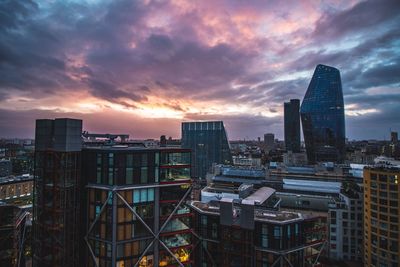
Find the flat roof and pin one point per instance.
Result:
(261, 195)
(262, 215)
(16, 179)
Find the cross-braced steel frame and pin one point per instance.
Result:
(283, 254)
(114, 194)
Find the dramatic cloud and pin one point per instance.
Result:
(142, 67)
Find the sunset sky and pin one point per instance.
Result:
(143, 67)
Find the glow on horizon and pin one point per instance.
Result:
(237, 61)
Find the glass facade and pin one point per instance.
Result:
(209, 144)
(322, 116)
(150, 183)
(292, 125)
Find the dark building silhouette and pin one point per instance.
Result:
(292, 125)
(269, 141)
(322, 116)
(56, 205)
(107, 203)
(394, 137)
(209, 144)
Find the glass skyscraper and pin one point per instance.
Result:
(322, 116)
(292, 125)
(209, 144)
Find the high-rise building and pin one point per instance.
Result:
(292, 125)
(107, 203)
(269, 141)
(382, 213)
(136, 212)
(394, 138)
(322, 116)
(209, 144)
(57, 193)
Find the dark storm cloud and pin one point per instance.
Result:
(109, 91)
(126, 52)
(360, 17)
(380, 75)
(30, 57)
(374, 101)
(375, 125)
(381, 45)
(12, 12)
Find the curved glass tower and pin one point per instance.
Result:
(322, 116)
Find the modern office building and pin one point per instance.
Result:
(322, 116)
(382, 213)
(57, 193)
(269, 141)
(209, 144)
(136, 214)
(346, 224)
(394, 137)
(292, 125)
(12, 236)
(245, 232)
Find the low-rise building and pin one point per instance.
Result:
(17, 190)
(246, 232)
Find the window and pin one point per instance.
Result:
(204, 220)
(214, 232)
(98, 180)
(277, 232)
(143, 195)
(129, 175)
(150, 194)
(110, 159)
(143, 175)
(156, 174)
(144, 160)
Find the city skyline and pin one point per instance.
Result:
(144, 67)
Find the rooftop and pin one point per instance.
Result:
(263, 215)
(261, 195)
(16, 179)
